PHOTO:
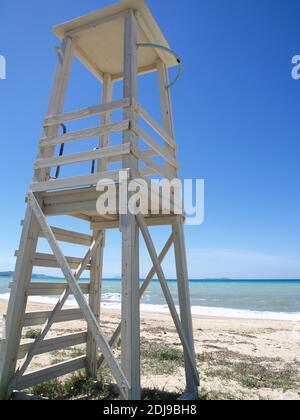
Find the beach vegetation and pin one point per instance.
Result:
(32, 334)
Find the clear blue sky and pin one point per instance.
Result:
(237, 118)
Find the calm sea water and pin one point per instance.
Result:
(245, 299)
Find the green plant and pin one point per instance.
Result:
(32, 334)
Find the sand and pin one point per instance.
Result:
(237, 359)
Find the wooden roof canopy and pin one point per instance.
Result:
(100, 39)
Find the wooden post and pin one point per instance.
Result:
(56, 104)
(23, 271)
(179, 241)
(18, 301)
(97, 260)
(130, 328)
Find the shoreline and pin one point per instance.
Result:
(197, 311)
(237, 358)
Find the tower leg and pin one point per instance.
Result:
(185, 303)
(18, 301)
(130, 327)
(97, 260)
(92, 352)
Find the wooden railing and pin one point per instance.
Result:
(111, 154)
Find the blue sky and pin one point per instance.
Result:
(236, 114)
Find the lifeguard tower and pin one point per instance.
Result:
(121, 42)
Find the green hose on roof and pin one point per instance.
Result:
(168, 50)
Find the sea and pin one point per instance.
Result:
(244, 299)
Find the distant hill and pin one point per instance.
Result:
(6, 274)
(34, 276)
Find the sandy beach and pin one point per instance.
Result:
(237, 359)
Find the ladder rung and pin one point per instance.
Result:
(104, 153)
(38, 318)
(52, 289)
(57, 343)
(87, 112)
(49, 261)
(84, 134)
(55, 371)
(70, 237)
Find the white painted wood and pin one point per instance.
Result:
(155, 167)
(185, 303)
(168, 139)
(90, 26)
(109, 106)
(102, 43)
(53, 289)
(17, 302)
(144, 287)
(107, 96)
(97, 260)
(32, 319)
(168, 296)
(55, 371)
(150, 221)
(79, 181)
(75, 289)
(130, 328)
(58, 307)
(49, 141)
(47, 260)
(107, 152)
(67, 236)
(87, 62)
(92, 350)
(57, 99)
(155, 146)
(56, 343)
(166, 108)
(179, 244)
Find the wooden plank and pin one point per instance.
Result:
(143, 289)
(107, 95)
(47, 142)
(159, 130)
(166, 109)
(55, 371)
(70, 237)
(87, 62)
(17, 302)
(55, 313)
(150, 221)
(155, 167)
(130, 327)
(29, 238)
(87, 112)
(104, 153)
(185, 302)
(75, 289)
(74, 182)
(56, 104)
(155, 146)
(168, 296)
(53, 344)
(53, 289)
(90, 26)
(48, 260)
(32, 319)
(92, 349)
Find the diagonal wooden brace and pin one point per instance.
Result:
(57, 309)
(143, 289)
(79, 296)
(167, 294)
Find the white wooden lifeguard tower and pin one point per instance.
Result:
(110, 44)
